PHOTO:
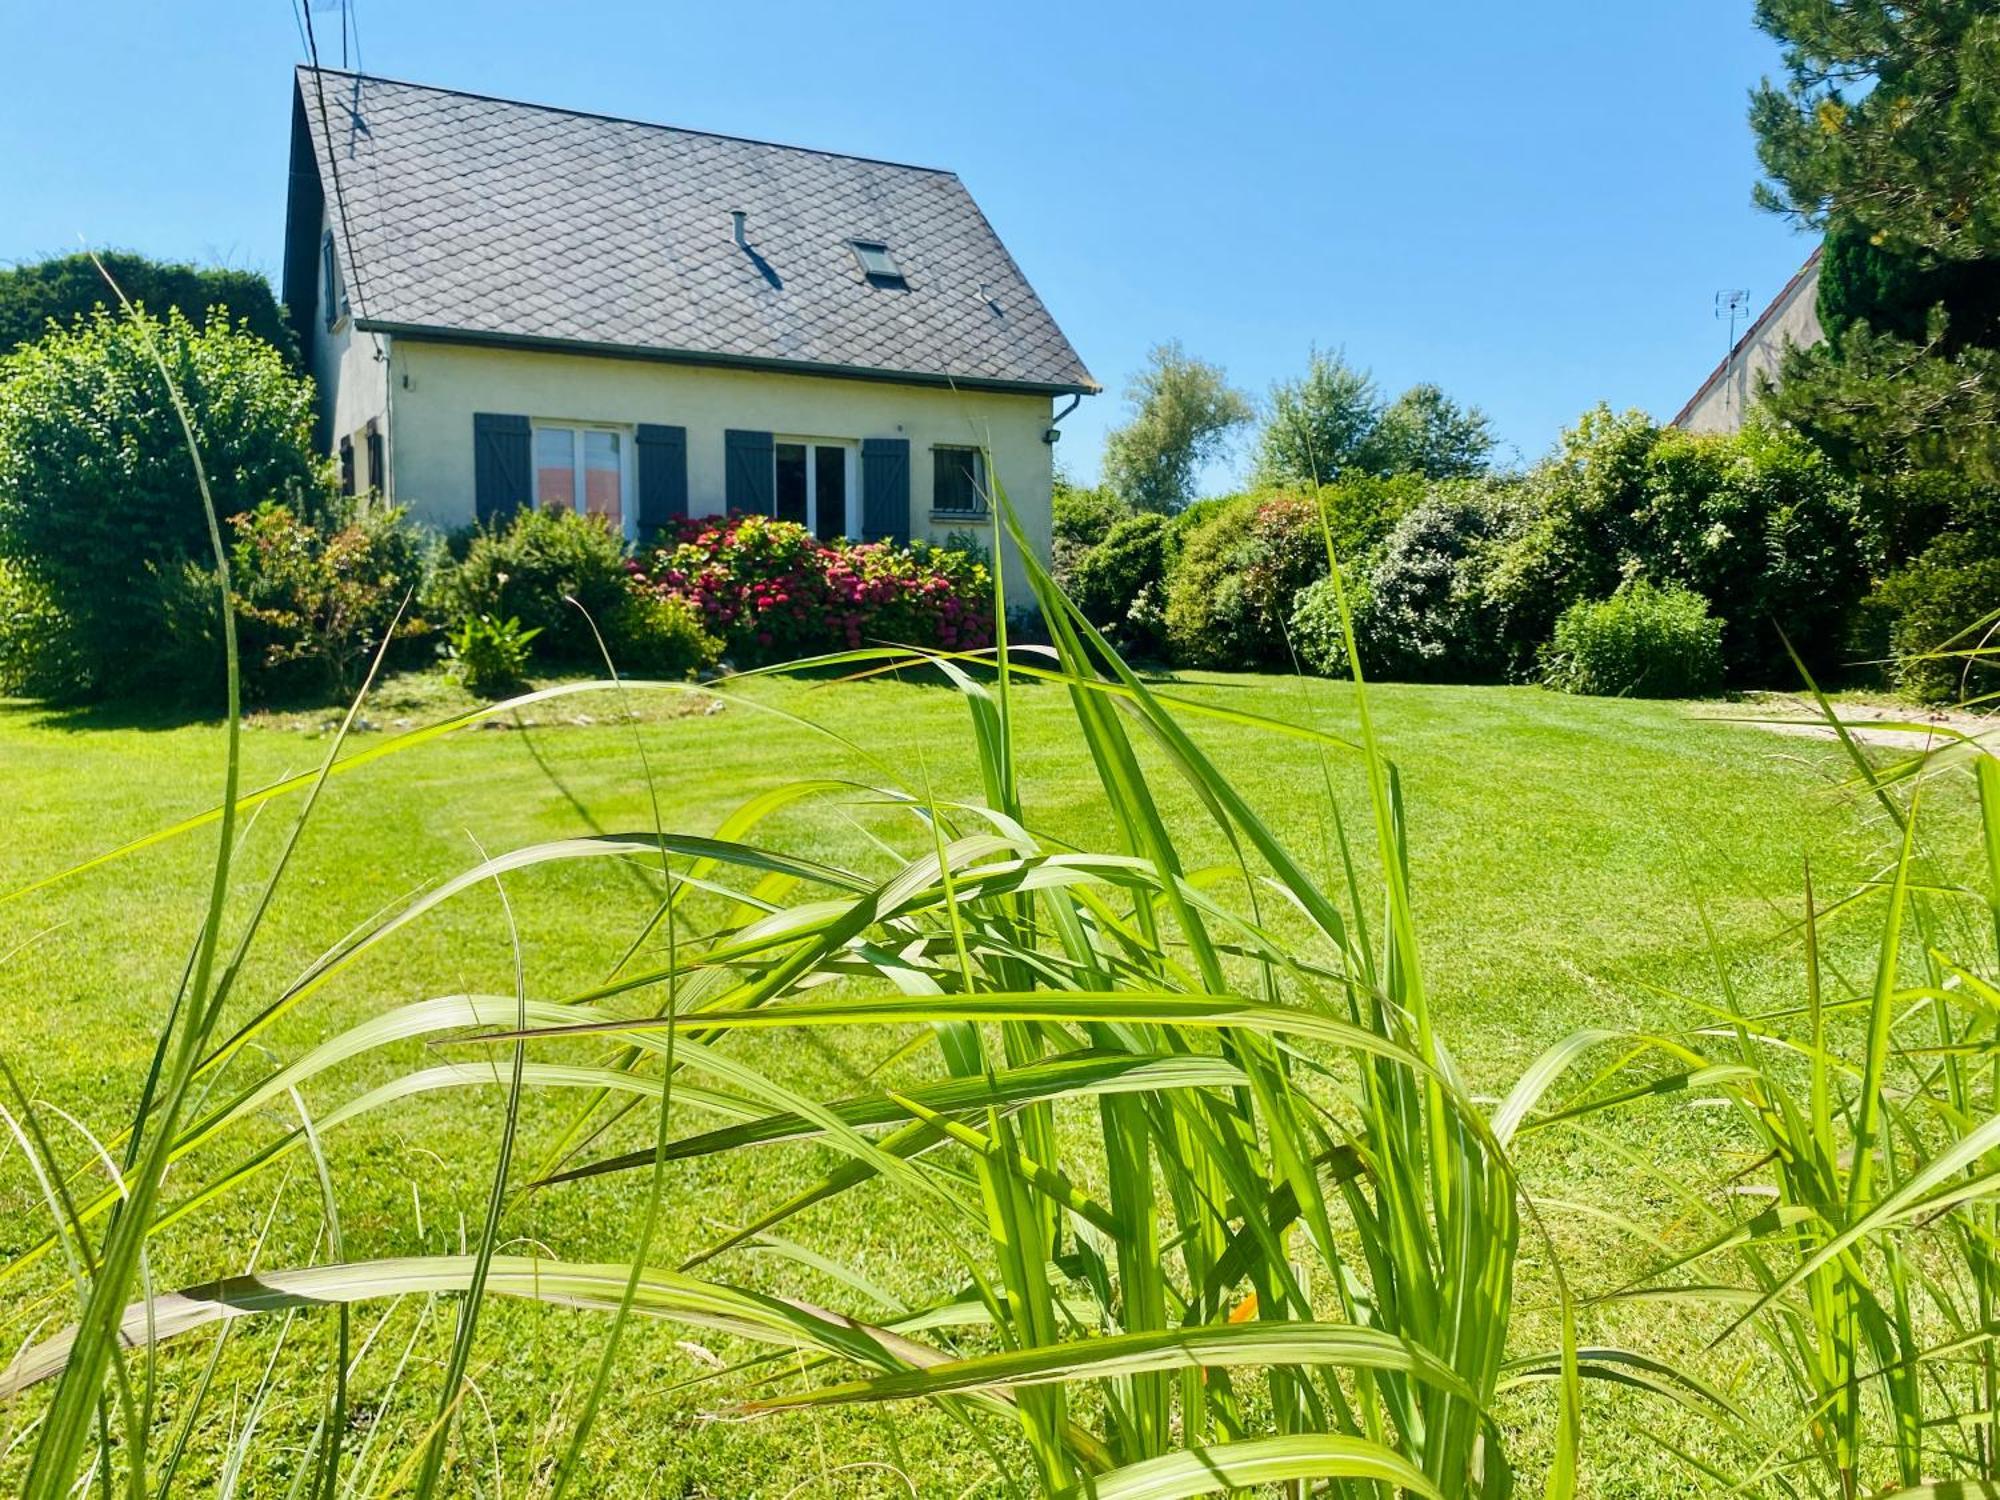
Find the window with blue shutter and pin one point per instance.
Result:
(885, 490)
(750, 472)
(501, 481)
(663, 475)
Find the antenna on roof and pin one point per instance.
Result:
(1731, 305)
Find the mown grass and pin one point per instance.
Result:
(1561, 853)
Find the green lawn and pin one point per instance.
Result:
(1563, 851)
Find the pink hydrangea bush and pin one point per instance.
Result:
(773, 591)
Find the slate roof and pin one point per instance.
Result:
(477, 217)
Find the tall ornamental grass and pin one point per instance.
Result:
(1220, 1210)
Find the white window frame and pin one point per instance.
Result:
(628, 487)
(981, 493)
(850, 476)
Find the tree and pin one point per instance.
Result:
(1318, 426)
(1884, 134)
(1425, 432)
(100, 514)
(1184, 413)
(70, 287)
(1332, 423)
(1888, 121)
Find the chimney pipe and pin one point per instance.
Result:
(741, 238)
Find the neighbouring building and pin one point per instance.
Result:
(506, 304)
(1725, 398)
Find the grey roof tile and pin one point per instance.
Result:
(486, 217)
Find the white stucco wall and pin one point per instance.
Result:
(435, 389)
(352, 382)
(1793, 319)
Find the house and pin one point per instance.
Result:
(1725, 398)
(507, 304)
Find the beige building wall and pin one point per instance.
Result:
(435, 389)
(1725, 399)
(351, 372)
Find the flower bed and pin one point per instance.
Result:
(772, 591)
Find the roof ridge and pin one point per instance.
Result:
(592, 114)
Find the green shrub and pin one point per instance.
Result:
(1120, 584)
(528, 569)
(1757, 522)
(97, 490)
(1642, 642)
(316, 601)
(39, 657)
(1429, 617)
(1081, 520)
(490, 656)
(657, 635)
(1941, 603)
(1241, 564)
(1315, 626)
(1762, 526)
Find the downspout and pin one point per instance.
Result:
(1054, 433)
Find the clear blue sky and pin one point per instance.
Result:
(1531, 204)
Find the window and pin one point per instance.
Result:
(347, 466)
(877, 264)
(332, 295)
(378, 470)
(581, 463)
(958, 486)
(812, 486)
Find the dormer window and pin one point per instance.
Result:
(877, 264)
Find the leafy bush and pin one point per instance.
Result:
(771, 591)
(321, 598)
(1241, 565)
(39, 657)
(98, 498)
(1941, 603)
(490, 656)
(1315, 626)
(656, 635)
(1762, 526)
(529, 569)
(1757, 522)
(1642, 642)
(1081, 520)
(1429, 616)
(1120, 584)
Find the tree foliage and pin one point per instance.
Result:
(1423, 431)
(1319, 426)
(99, 508)
(1885, 133)
(1888, 121)
(1184, 412)
(1332, 423)
(68, 288)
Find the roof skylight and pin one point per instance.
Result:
(877, 264)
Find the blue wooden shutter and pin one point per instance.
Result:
(501, 465)
(663, 475)
(885, 490)
(750, 472)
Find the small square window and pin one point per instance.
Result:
(877, 264)
(958, 482)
